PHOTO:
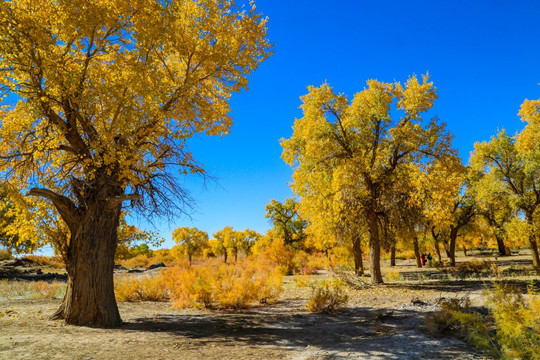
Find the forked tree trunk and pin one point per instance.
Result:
(89, 298)
(417, 252)
(374, 249)
(357, 254)
(436, 245)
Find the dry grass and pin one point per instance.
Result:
(10, 289)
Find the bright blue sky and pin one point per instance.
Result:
(483, 56)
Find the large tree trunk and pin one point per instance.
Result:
(374, 249)
(417, 251)
(357, 254)
(532, 242)
(89, 298)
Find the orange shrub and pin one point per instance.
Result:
(229, 286)
(328, 297)
(46, 290)
(279, 254)
(142, 288)
(137, 261)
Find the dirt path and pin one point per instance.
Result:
(384, 322)
(280, 331)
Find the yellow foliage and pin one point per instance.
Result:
(517, 319)
(328, 297)
(46, 290)
(223, 285)
(142, 288)
(103, 95)
(302, 281)
(279, 254)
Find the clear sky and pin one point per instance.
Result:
(483, 56)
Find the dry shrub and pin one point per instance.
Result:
(165, 256)
(47, 290)
(517, 321)
(137, 261)
(278, 254)
(227, 286)
(142, 288)
(510, 331)
(473, 267)
(309, 264)
(444, 321)
(32, 289)
(302, 281)
(328, 297)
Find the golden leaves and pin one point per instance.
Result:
(346, 155)
(115, 87)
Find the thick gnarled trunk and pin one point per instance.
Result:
(89, 298)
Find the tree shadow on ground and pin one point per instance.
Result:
(469, 285)
(390, 334)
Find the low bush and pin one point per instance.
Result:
(328, 297)
(31, 289)
(227, 286)
(474, 266)
(48, 290)
(510, 331)
(144, 288)
(517, 321)
(302, 281)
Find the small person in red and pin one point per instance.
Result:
(423, 259)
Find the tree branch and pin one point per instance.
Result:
(63, 204)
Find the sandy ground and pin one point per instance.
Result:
(384, 322)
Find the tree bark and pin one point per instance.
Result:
(532, 242)
(417, 251)
(374, 248)
(393, 255)
(452, 245)
(357, 254)
(89, 298)
(503, 250)
(436, 245)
